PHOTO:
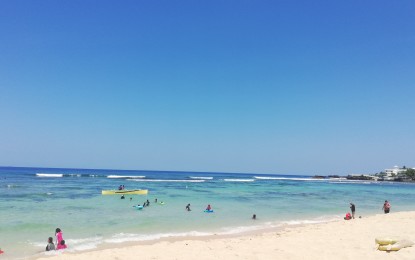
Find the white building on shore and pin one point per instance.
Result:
(395, 171)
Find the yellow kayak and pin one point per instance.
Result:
(121, 192)
(397, 246)
(386, 240)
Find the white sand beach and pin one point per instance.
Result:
(353, 239)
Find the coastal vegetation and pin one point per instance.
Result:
(410, 173)
(403, 174)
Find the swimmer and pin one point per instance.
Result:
(62, 245)
(50, 245)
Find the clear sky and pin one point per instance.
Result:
(289, 87)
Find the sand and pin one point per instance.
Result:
(353, 239)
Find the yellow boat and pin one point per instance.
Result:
(121, 192)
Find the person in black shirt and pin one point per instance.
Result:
(353, 209)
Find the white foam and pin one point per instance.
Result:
(74, 175)
(239, 180)
(49, 175)
(266, 178)
(322, 219)
(201, 178)
(126, 237)
(161, 180)
(241, 229)
(85, 243)
(124, 177)
(288, 178)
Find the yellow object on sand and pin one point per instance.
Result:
(386, 240)
(396, 246)
(121, 192)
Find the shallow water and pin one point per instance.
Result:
(33, 206)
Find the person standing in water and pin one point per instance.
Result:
(353, 209)
(386, 207)
(188, 207)
(59, 236)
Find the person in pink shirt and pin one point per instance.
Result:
(59, 236)
(62, 245)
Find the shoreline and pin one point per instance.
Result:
(330, 240)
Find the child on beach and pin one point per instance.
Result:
(59, 236)
(62, 245)
(50, 245)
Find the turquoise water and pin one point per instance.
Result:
(32, 207)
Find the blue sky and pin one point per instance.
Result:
(290, 87)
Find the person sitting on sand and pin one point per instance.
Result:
(62, 245)
(208, 208)
(348, 216)
(50, 245)
(188, 207)
(386, 207)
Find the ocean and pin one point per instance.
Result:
(36, 201)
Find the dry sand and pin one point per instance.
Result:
(353, 239)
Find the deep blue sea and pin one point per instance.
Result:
(35, 201)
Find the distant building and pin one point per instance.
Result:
(394, 172)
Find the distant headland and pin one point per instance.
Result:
(400, 174)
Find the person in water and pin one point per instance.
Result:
(254, 216)
(122, 197)
(208, 208)
(353, 209)
(50, 245)
(59, 236)
(62, 245)
(155, 200)
(147, 203)
(386, 207)
(188, 207)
